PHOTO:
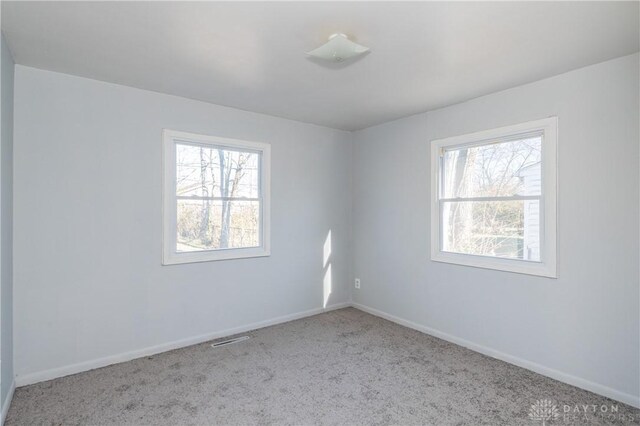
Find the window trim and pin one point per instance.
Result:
(547, 267)
(169, 198)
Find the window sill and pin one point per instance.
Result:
(213, 255)
(505, 265)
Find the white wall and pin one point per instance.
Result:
(585, 324)
(6, 225)
(88, 278)
(87, 227)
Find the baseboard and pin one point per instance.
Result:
(540, 369)
(7, 402)
(54, 373)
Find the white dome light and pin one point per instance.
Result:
(338, 49)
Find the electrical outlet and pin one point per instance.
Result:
(357, 283)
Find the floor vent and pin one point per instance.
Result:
(229, 342)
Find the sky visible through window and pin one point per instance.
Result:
(490, 199)
(218, 198)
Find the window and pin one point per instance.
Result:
(216, 198)
(494, 199)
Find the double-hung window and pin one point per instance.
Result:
(216, 198)
(494, 199)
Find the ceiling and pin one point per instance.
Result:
(251, 55)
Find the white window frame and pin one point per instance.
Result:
(169, 199)
(548, 202)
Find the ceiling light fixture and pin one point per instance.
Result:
(338, 49)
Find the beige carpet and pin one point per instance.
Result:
(342, 367)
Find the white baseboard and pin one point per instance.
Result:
(540, 369)
(54, 373)
(7, 402)
(114, 359)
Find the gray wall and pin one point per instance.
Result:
(89, 283)
(585, 324)
(6, 223)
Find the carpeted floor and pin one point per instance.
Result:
(341, 367)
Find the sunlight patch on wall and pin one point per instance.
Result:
(327, 270)
(327, 285)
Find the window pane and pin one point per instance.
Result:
(494, 170)
(208, 171)
(508, 229)
(213, 225)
